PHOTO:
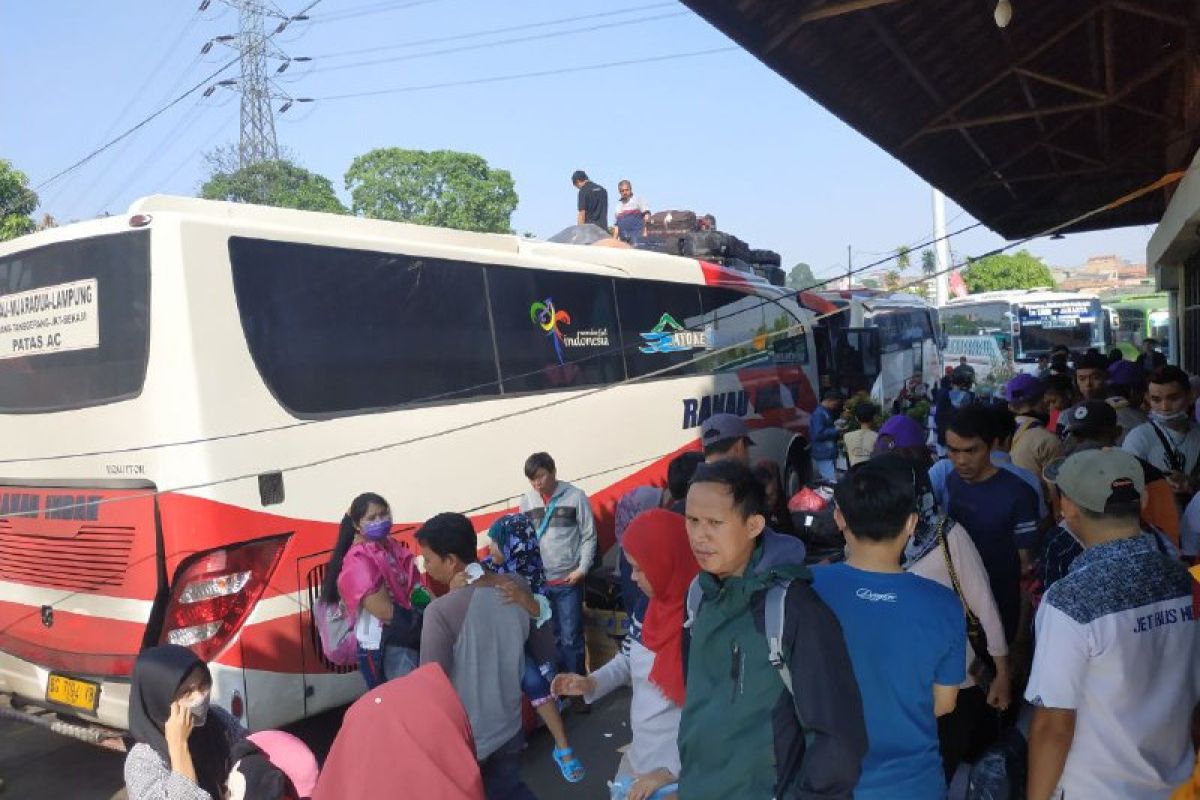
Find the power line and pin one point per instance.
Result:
(457, 391)
(1165, 180)
(371, 8)
(537, 74)
(500, 43)
(153, 116)
(491, 31)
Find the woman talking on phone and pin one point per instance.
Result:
(183, 745)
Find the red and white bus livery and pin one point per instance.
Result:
(192, 393)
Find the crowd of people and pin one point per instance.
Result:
(1014, 571)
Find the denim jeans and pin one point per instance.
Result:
(378, 666)
(535, 684)
(567, 605)
(501, 772)
(825, 469)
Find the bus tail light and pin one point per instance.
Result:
(214, 592)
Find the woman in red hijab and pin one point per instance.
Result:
(651, 658)
(408, 737)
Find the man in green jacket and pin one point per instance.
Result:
(744, 732)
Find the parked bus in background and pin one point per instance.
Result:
(1028, 322)
(901, 328)
(1143, 316)
(192, 392)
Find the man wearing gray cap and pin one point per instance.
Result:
(726, 436)
(1116, 671)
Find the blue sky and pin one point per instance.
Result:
(717, 133)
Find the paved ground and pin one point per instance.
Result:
(39, 765)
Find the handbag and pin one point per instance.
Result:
(336, 630)
(983, 669)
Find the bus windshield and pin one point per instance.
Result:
(1071, 323)
(74, 323)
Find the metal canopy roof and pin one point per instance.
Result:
(1073, 105)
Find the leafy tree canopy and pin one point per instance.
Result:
(801, 277)
(17, 203)
(1021, 270)
(274, 183)
(441, 187)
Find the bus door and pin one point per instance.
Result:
(857, 359)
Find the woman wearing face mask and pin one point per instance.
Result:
(183, 746)
(377, 579)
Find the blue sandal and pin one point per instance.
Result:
(572, 771)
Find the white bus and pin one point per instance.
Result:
(1028, 323)
(192, 393)
(904, 331)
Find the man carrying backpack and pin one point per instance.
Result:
(772, 708)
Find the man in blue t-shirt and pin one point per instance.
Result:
(906, 634)
(998, 509)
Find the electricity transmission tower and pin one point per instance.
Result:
(257, 141)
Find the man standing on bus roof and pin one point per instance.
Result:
(1151, 358)
(566, 532)
(593, 201)
(632, 215)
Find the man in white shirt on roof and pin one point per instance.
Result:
(1116, 671)
(632, 215)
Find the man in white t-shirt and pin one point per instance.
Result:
(1116, 671)
(1171, 439)
(632, 215)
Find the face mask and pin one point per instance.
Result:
(378, 529)
(1167, 417)
(199, 711)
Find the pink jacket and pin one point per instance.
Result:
(369, 564)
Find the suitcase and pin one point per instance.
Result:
(736, 248)
(672, 223)
(671, 245)
(777, 277)
(704, 244)
(769, 257)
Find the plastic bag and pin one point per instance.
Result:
(999, 774)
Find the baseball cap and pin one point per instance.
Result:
(903, 430)
(1091, 417)
(1022, 388)
(723, 427)
(1095, 478)
(1125, 373)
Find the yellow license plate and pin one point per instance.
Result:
(72, 692)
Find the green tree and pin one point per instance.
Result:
(1021, 270)
(903, 258)
(441, 187)
(928, 263)
(891, 280)
(274, 183)
(17, 203)
(801, 277)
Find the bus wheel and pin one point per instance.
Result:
(797, 471)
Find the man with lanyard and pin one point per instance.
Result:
(632, 215)
(566, 532)
(1171, 439)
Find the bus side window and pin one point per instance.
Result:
(662, 326)
(554, 330)
(738, 329)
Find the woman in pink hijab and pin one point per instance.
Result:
(410, 737)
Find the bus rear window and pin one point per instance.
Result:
(74, 323)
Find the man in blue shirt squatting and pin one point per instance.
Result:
(906, 634)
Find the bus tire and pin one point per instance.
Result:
(797, 470)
